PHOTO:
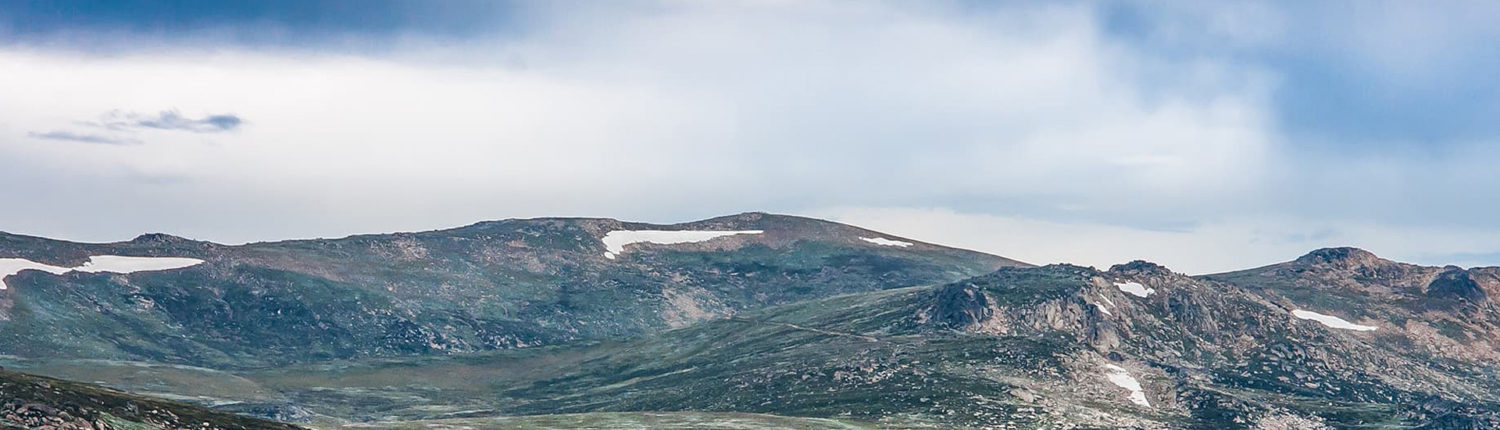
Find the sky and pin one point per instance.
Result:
(1205, 136)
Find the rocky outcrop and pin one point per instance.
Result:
(1455, 283)
(1343, 257)
(42, 403)
(960, 306)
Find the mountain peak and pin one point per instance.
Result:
(1141, 267)
(1342, 256)
(159, 238)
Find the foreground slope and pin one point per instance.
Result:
(487, 286)
(623, 421)
(43, 403)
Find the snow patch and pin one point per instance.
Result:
(615, 241)
(1135, 288)
(1103, 309)
(11, 266)
(1331, 321)
(122, 264)
(1107, 300)
(885, 242)
(1121, 378)
(97, 264)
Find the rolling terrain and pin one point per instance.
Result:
(28, 401)
(488, 286)
(756, 321)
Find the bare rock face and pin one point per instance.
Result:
(1141, 268)
(961, 306)
(1345, 258)
(1455, 283)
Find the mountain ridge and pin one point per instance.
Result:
(488, 285)
(792, 317)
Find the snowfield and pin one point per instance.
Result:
(1135, 289)
(11, 266)
(1121, 378)
(615, 241)
(886, 242)
(97, 264)
(1331, 321)
(122, 264)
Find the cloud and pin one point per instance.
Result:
(1234, 243)
(1357, 76)
(171, 120)
(120, 125)
(84, 138)
(362, 24)
(1042, 116)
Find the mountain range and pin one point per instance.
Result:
(746, 321)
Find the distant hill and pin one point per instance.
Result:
(492, 285)
(750, 321)
(1137, 346)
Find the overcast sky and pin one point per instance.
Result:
(1205, 136)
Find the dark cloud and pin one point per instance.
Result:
(171, 120)
(122, 123)
(84, 138)
(99, 24)
(168, 120)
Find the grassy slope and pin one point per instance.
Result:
(625, 421)
(34, 401)
(488, 286)
(1208, 354)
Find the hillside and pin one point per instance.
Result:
(1133, 346)
(35, 402)
(488, 286)
(1020, 348)
(754, 321)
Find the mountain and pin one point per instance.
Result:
(1442, 315)
(754, 321)
(1134, 346)
(35, 402)
(1057, 346)
(488, 286)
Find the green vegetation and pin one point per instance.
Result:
(28, 401)
(523, 324)
(489, 286)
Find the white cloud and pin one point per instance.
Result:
(782, 105)
(1232, 244)
(688, 109)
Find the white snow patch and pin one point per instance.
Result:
(1121, 378)
(1107, 300)
(1135, 288)
(1103, 309)
(1331, 321)
(886, 242)
(97, 264)
(122, 264)
(11, 266)
(615, 241)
